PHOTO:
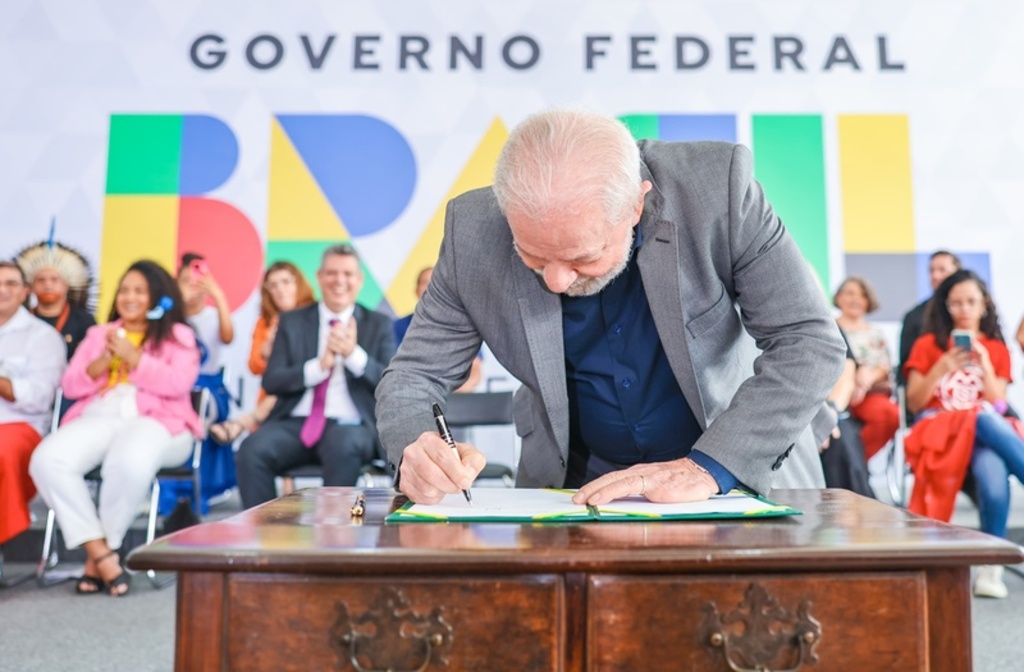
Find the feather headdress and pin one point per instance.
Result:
(68, 262)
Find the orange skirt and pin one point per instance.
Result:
(939, 451)
(17, 441)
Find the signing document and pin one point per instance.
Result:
(538, 505)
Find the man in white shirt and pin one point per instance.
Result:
(324, 368)
(32, 359)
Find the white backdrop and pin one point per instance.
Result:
(952, 68)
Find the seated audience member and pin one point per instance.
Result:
(31, 361)
(214, 330)
(60, 280)
(872, 402)
(402, 326)
(842, 455)
(941, 265)
(132, 379)
(284, 288)
(324, 367)
(959, 395)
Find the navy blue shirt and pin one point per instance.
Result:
(401, 325)
(625, 405)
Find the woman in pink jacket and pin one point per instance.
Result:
(132, 379)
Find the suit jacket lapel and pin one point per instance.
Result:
(310, 339)
(359, 315)
(663, 283)
(542, 319)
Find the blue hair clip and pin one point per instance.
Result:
(163, 305)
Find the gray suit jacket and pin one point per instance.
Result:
(297, 334)
(746, 328)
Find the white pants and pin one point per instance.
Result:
(131, 449)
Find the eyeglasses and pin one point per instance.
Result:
(969, 304)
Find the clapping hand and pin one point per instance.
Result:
(119, 346)
(349, 338)
(342, 338)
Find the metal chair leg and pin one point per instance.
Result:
(10, 583)
(154, 501)
(197, 493)
(46, 575)
(49, 557)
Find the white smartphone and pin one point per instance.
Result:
(962, 338)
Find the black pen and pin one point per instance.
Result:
(446, 434)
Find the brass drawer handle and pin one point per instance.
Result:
(383, 635)
(769, 632)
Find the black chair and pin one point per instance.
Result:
(46, 573)
(372, 475)
(484, 409)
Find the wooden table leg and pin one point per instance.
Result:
(201, 641)
(949, 619)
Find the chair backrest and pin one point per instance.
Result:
(482, 409)
(479, 408)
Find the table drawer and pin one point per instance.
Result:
(278, 622)
(865, 621)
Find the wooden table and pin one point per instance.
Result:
(297, 584)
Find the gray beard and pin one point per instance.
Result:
(591, 286)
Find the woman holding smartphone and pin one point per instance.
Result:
(957, 375)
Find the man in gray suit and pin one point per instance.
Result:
(606, 277)
(324, 367)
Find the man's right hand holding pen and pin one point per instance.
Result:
(430, 470)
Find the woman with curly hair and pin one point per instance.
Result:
(132, 379)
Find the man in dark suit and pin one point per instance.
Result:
(324, 368)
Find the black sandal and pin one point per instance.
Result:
(89, 585)
(123, 579)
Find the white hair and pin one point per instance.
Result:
(560, 162)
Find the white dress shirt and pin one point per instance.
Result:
(206, 324)
(339, 405)
(33, 357)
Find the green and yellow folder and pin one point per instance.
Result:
(495, 505)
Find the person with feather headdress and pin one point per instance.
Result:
(61, 281)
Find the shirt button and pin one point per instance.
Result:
(617, 329)
(627, 383)
(636, 428)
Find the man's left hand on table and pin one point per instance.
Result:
(676, 481)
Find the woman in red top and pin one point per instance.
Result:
(959, 395)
